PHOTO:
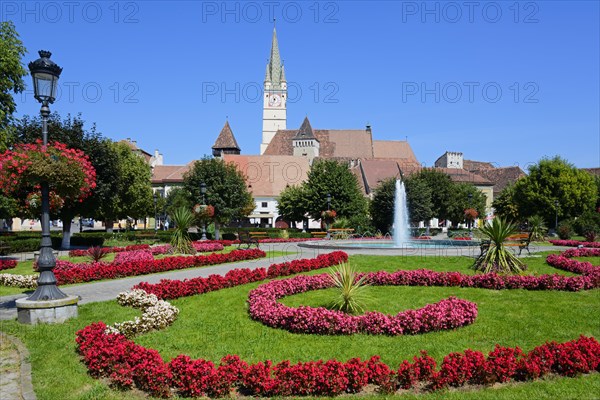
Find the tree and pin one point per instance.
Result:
(505, 205)
(329, 176)
(464, 196)
(555, 179)
(226, 189)
(441, 187)
(420, 200)
(11, 79)
(178, 197)
(123, 186)
(292, 203)
(382, 205)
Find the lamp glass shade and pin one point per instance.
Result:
(44, 86)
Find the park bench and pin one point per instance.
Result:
(318, 234)
(520, 240)
(146, 236)
(246, 238)
(259, 235)
(340, 233)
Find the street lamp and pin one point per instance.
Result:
(155, 215)
(556, 216)
(203, 192)
(470, 222)
(45, 75)
(328, 207)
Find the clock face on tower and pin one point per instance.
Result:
(274, 100)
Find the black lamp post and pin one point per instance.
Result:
(155, 215)
(203, 192)
(45, 75)
(470, 221)
(328, 207)
(556, 216)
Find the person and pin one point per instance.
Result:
(167, 225)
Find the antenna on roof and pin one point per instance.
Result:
(406, 138)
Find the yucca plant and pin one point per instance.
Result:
(537, 227)
(351, 294)
(181, 242)
(96, 253)
(497, 258)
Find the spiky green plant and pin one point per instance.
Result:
(181, 242)
(497, 258)
(537, 227)
(96, 253)
(351, 294)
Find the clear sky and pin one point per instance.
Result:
(506, 82)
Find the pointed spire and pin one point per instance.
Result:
(226, 141)
(283, 73)
(274, 68)
(305, 131)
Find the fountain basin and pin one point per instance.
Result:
(389, 244)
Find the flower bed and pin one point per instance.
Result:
(127, 365)
(173, 289)
(7, 264)
(263, 306)
(83, 253)
(133, 256)
(203, 247)
(96, 271)
(20, 281)
(574, 243)
(563, 261)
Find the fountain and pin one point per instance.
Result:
(401, 238)
(401, 228)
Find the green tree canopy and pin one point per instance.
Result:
(292, 203)
(420, 200)
(506, 206)
(382, 205)
(11, 79)
(226, 189)
(329, 176)
(441, 187)
(464, 196)
(555, 179)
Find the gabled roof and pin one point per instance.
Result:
(346, 143)
(464, 176)
(374, 171)
(269, 175)
(393, 149)
(305, 131)
(501, 177)
(169, 173)
(593, 171)
(471, 165)
(226, 140)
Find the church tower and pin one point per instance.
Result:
(305, 143)
(274, 97)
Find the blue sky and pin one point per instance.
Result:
(506, 82)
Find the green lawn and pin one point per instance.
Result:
(215, 324)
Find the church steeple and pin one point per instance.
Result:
(225, 143)
(274, 74)
(274, 97)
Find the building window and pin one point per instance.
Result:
(264, 204)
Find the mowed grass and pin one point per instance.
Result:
(216, 324)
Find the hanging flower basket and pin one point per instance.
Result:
(471, 214)
(328, 216)
(204, 211)
(69, 172)
(33, 203)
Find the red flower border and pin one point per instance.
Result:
(574, 243)
(263, 306)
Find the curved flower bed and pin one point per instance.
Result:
(263, 306)
(563, 261)
(127, 365)
(7, 264)
(67, 272)
(173, 289)
(84, 252)
(574, 243)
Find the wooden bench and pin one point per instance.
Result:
(259, 235)
(520, 240)
(318, 234)
(340, 233)
(146, 236)
(246, 238)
